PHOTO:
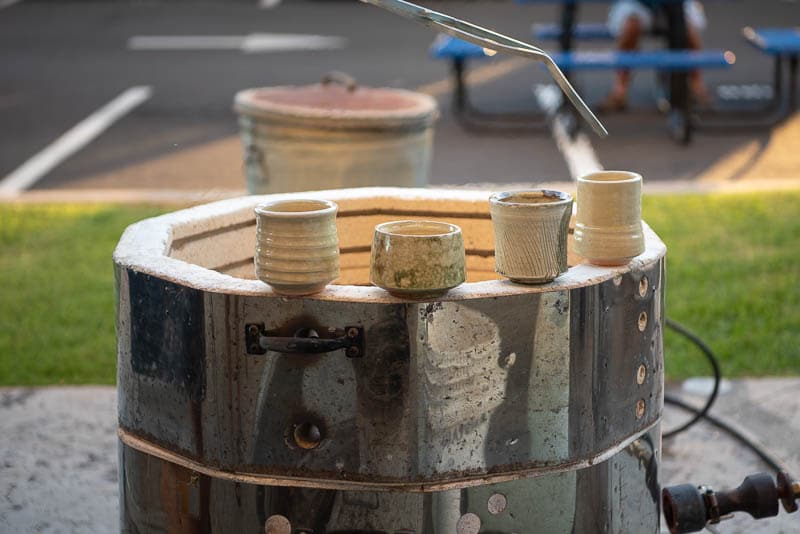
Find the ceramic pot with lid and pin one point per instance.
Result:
(334, 134)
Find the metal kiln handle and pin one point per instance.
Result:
(305, 341)
(341, 78)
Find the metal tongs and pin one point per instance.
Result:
(493, 41)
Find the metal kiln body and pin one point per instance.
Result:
(498, 408)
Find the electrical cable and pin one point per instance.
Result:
(703, 413)
(759, 451)
(712, 360)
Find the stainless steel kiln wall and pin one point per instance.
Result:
(447, 394)
(619, 495)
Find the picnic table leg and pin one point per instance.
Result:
(793, 82)
(736, 119)
(680, 120)
(476, 120)
(460, 89)
(777, 85)
(569, 14)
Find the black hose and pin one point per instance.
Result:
(703, 413)
(765, 456)
(712, 359)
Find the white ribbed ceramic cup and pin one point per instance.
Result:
(530, 234)
(297, 247)
(608, 224)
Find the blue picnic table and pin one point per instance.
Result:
(676, 62)
(774, 41)
(783, 44)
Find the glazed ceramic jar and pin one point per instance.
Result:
(530, 234)
(417, 259)
(335, 134)
(608, 224)
(297, 247)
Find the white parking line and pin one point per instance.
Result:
(185, 42)
(80, 135)
(578, 152)
(252, 43)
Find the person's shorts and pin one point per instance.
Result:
(624, 9)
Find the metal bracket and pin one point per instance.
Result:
(305, 341)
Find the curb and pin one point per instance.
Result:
(178, 197)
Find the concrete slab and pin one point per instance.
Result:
(767, 411)
(58, 460)
(58, 454)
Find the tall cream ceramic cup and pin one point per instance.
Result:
(608, 224)
(530, 234)
(297, 247)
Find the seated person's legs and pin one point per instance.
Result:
(627, 20)
(695, 24)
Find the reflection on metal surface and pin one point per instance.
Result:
(524, 410)
(641, 374)
(307, 435)
(468, 524)
(642, 322)
(497, 503)
(640, 406)
(277, 524)
(447, 394)
(620, 495)
(643, 283)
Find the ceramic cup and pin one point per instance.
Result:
(417, 259)
(608, 225)
(297, 248)
(530, 234)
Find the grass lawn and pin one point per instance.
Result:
(57, 292)
(733, 277)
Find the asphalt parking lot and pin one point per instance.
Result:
(63, 61)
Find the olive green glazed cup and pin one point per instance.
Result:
(417, 259)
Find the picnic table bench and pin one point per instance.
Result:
(675, 62)
(459, 52)
(783, 44)
(589, 31)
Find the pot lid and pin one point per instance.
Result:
(338, 99)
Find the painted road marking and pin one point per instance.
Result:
(253, 43)
(578, 153)
(80, 135)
